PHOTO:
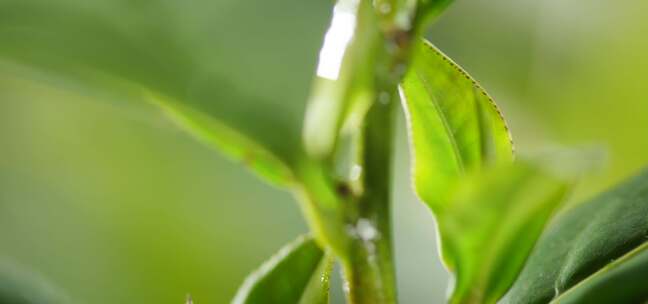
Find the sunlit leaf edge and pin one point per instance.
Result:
(504, 150)
(319, 278)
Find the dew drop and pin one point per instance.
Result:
(356, 171)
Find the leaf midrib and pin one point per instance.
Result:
(630, 254)
(444, 121)
(476, 87)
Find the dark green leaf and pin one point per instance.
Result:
(454, 126)
(489, 226)
(298, 273)
(593, 253)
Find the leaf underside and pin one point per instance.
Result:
(298, 273)
(594, 253)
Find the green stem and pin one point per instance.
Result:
(350, 212)
(369, 268)
(370, 276)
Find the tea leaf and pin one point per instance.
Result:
(490, 210)
(298, 273)
(491, 223)
(454, 127)
(594, 253)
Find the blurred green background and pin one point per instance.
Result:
(111, 203)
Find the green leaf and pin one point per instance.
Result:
(126, 50)
(490, 225)
(490, 210)
(596, 252)
(228, 140)
(454, 127)
(298, 273)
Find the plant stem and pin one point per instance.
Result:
(370, 276)
(370, 269)
(349, 129)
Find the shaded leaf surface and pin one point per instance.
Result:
(298, 273)
(490, 225)
(593, 253)
(163, 47)
(454, 126)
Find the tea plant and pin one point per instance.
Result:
(491, 207)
